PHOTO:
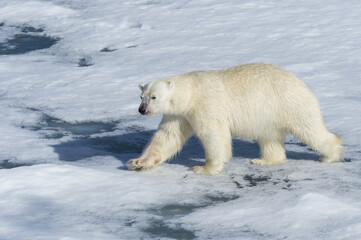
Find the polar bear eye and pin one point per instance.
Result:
(154, 97)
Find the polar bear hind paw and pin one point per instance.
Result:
(325, 159)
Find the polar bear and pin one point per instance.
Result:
(253, 101)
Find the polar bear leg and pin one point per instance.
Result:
(218, 151)
(321, 141)
(272, 152)
(331, 151)
(171, 135)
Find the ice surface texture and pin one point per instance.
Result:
(69, 75)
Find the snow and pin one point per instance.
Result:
(69, 120)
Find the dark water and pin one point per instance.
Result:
(7, 164)
(160, 229)
(81, 128)
(85, 62)
(28, 39)
(54, 128)
(108, 49)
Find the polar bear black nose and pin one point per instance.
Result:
(142, 109)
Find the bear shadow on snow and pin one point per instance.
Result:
(130, 145)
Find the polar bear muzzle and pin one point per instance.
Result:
(143, 110)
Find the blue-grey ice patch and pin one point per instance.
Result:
(26, 39)
(8, 164)
(85, 62)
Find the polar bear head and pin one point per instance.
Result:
(156, 97)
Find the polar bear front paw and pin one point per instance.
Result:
(139, 164)
(206, 170)
(134, 164)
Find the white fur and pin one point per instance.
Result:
(254, 101)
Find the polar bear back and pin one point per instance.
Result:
(270, 99)
(253, 100)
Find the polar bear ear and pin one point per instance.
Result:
(141, 87)
(171, 85)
